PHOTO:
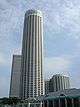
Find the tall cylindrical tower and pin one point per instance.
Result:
(32, 55)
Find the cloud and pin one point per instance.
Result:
(3, 60)
(4, 86)
(11, 19)
(54, 65)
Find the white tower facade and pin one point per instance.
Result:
(32, 84)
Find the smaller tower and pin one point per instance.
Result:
(58, 82)
(15, 76)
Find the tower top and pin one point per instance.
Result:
(33, 12)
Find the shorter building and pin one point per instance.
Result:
(65, 98)
(15, 76)
(46, 86)
(58, 82)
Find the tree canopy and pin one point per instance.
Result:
(10, 101)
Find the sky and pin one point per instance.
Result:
(61, 37)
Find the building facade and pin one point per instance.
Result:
(15, 76)
(59, 82)
(65, 98)
(32, 55)
(46, 86)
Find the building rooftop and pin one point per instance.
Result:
(33, 11)
(67, 93)
(60, 75)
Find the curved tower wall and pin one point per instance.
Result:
(59, 82)
(32, 55)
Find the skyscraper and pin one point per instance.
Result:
(32, 55)
(15, 76)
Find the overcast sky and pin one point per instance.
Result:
(61, 37)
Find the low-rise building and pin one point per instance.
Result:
(65, 98)
(59, 82)
(56, 83)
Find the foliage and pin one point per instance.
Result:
(10, 101)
